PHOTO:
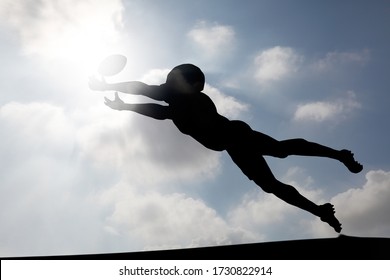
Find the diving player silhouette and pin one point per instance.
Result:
(195, 114)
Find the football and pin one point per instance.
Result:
(112, 65)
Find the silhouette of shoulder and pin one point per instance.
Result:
(190, 101)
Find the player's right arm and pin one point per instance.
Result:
(155, 111)
(133, 87)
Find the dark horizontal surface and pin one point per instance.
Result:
(340, 248)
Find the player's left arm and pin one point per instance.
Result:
(132, 87)
(155, 111)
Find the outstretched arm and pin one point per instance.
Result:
(133, 87)
(154, 111)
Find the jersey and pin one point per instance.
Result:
(195, 114)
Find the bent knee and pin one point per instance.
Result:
(281, 150)
(281, 153)
(267, 188)
(268, 185)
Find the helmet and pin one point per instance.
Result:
(186, 74)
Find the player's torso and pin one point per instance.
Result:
(197, 116)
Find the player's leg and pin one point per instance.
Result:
(302, 147)
(256, 168)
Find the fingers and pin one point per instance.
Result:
(116, 104)
(107, 102)
(113, 104)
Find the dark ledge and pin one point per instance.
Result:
(340, 248)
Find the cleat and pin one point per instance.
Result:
(327, 215)
(348, 160)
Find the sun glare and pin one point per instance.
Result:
(84, 46)
(85, 43)
(76, 32)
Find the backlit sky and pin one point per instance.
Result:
(77, 177)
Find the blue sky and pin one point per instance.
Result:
(77, 177)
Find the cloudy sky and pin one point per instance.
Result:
(78, 177)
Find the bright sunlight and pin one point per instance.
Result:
(74, 31)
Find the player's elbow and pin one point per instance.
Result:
(162, 115)
(154, 111)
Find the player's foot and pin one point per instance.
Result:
(327, 215)
(349, 161)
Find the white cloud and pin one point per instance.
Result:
(258, 210)
(270, 218)
(363, 211)
(275, 64)
(54, 200)
(327, 110)
(155, 76)
(166, 154)
(333, 60)
(77, 30)
(146, 151)
(38, 126)
(296, 176)
(227, 105)
(53, 160)
(280, 63)
(317, 111)
(161, 221)
(212, 39)
(43, 188)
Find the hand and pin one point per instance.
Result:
(116, 104)
(97, 84)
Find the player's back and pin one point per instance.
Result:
(195, 114)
